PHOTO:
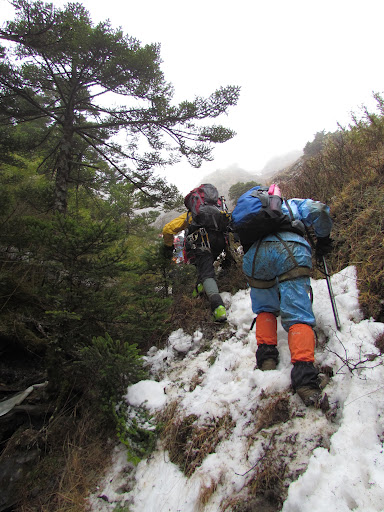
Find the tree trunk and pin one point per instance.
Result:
(63, 172)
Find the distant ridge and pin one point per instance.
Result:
(223, 179)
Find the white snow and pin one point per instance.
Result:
(338, 456)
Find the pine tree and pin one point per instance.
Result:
(60, 68)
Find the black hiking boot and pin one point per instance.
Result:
(267, 357)
(313, 398)
(268, 364)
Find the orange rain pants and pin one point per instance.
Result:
(266, 326)
(301, 342)
(301, 337)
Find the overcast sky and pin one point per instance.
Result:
(302, 65)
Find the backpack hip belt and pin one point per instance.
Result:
(294, 273)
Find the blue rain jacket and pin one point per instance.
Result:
(290, 299)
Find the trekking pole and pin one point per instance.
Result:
(331, 295)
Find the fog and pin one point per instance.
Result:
(302, 66)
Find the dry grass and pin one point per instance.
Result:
(187, 442)
(265, 490)
(276, 410)
(232, 279)
(68, 470)
(379, 343)
(267, 483)
(205, 495)
(189, 313)
(358, 231)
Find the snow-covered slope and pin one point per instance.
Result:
(266, 450)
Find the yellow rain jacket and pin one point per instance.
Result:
(175, 226)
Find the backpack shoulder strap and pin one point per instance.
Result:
(262, 196)
(298, 226)
(289, 209)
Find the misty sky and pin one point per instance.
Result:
(303, 66)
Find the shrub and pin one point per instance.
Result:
(109, 367)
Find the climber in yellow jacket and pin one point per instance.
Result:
(205, 241)
(180, 223)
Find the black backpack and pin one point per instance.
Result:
(207, 208)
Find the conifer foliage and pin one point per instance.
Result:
(62, 69)
(84, 289)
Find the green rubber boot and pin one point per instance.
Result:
(198, 290)
(219, 314)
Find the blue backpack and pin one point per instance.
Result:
(258, 214)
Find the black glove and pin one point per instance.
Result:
(323, 246)
(168, 251)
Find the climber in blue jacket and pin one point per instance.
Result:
(278, 267)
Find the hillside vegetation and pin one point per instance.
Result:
(345, 169)
(85, 289)
(84, 285)
(85, 295)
